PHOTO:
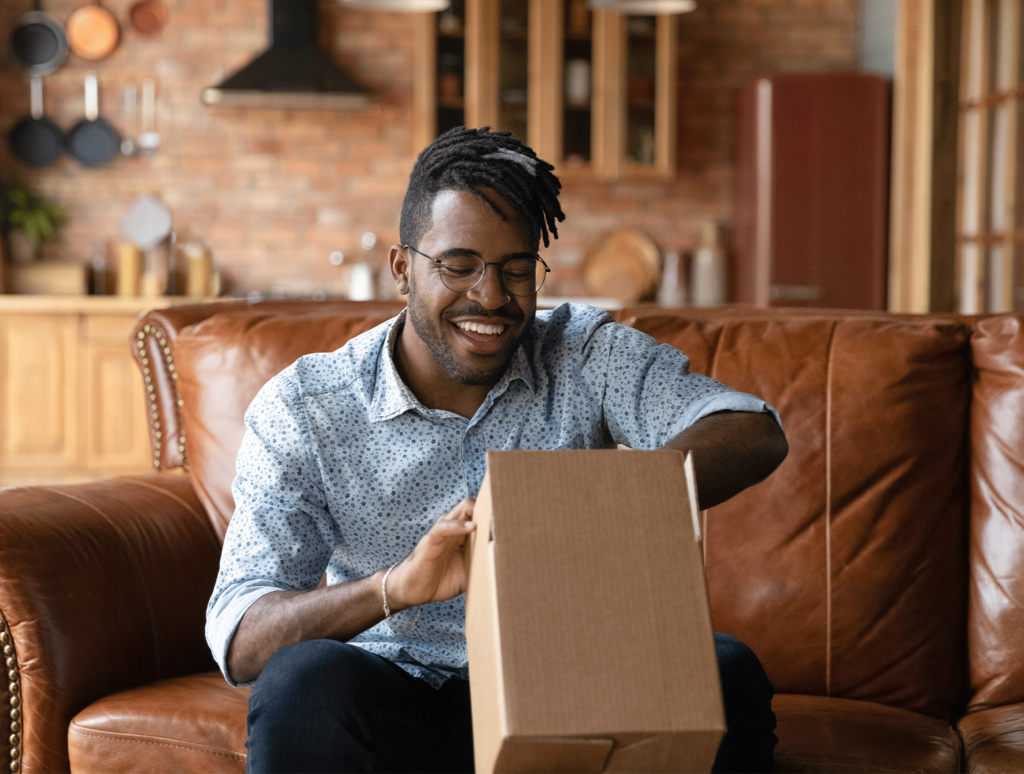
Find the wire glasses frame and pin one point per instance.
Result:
(519, 276)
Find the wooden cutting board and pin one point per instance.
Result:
(624, 264)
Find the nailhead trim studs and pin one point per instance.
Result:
(13, 695)
(164, 349)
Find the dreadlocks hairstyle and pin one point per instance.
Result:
(472, 159)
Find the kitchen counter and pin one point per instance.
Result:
(116, 305)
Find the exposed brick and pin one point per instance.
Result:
(275, 191)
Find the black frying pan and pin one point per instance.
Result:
(39, 42)
(93, 142)
(35, 139)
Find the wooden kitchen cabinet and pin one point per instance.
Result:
(591, 90)
(38, 358)
(72, 406)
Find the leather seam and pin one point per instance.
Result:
(712, 365)
(830, 362)
(108, 735)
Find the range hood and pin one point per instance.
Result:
(294, 72)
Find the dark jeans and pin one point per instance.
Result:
(330, 707)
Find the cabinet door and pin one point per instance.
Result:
(116, 435)
(38, 379)
(635, 94)
(812, 191)
(577, 87)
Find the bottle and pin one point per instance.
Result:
(362, 283)
(197, 257)
(707, 273)
(672, 291)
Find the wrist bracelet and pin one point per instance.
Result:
(387, 610)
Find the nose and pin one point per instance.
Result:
(489, 292)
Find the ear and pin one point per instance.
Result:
(401, 266)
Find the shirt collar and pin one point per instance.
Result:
(392, 397)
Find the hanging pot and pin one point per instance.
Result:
(93, 32)
(39, 42)
(93, 142)
(35, 139)
(148, 17)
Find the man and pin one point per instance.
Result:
(363, 463)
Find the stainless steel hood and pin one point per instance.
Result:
(294, 72)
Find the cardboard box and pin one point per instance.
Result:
(587, 621)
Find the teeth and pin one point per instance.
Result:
(478, 328)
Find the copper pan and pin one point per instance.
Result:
(148, 17)
(93, 32)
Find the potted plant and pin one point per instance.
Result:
(29, 221)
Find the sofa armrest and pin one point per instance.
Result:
(103, 586)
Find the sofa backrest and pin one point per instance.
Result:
(996, 607)
(212, 359)
(846, 570)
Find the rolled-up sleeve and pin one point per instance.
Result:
(649, 394)
(280, 536)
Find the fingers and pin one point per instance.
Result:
(458, 521)
(434, 569)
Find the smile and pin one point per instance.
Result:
(490, 330)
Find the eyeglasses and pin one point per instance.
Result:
(521, 276)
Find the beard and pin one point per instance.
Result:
(429, 332)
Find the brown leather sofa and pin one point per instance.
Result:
(878, 573)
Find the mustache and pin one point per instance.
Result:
(476, 310)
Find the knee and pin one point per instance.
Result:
(307, 711)
(306, 674)
(739, 666)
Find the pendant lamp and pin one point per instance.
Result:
(644, 7)
(396, 5)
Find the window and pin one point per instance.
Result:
(990, 212)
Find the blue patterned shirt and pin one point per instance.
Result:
(343, 470)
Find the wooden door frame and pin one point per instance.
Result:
(922, 236)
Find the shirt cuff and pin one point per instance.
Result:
(728, 401)
(226, 613)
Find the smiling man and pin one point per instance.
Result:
(363, 464)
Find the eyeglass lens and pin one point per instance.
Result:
(520, 276)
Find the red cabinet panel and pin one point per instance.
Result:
(812, 191)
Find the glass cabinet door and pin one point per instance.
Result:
(451, 66)
(513, 69)
(590, 90)
(578, 83)
(640, 84)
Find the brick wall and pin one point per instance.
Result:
(275, 192)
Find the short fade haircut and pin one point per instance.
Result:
(472, 159)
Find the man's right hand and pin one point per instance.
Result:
(436, 568)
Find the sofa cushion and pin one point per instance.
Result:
(996, 624)
(994, 739)
(194, 724)
(223, 361)
(846, 569)
(839, 735)
(197, 724)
